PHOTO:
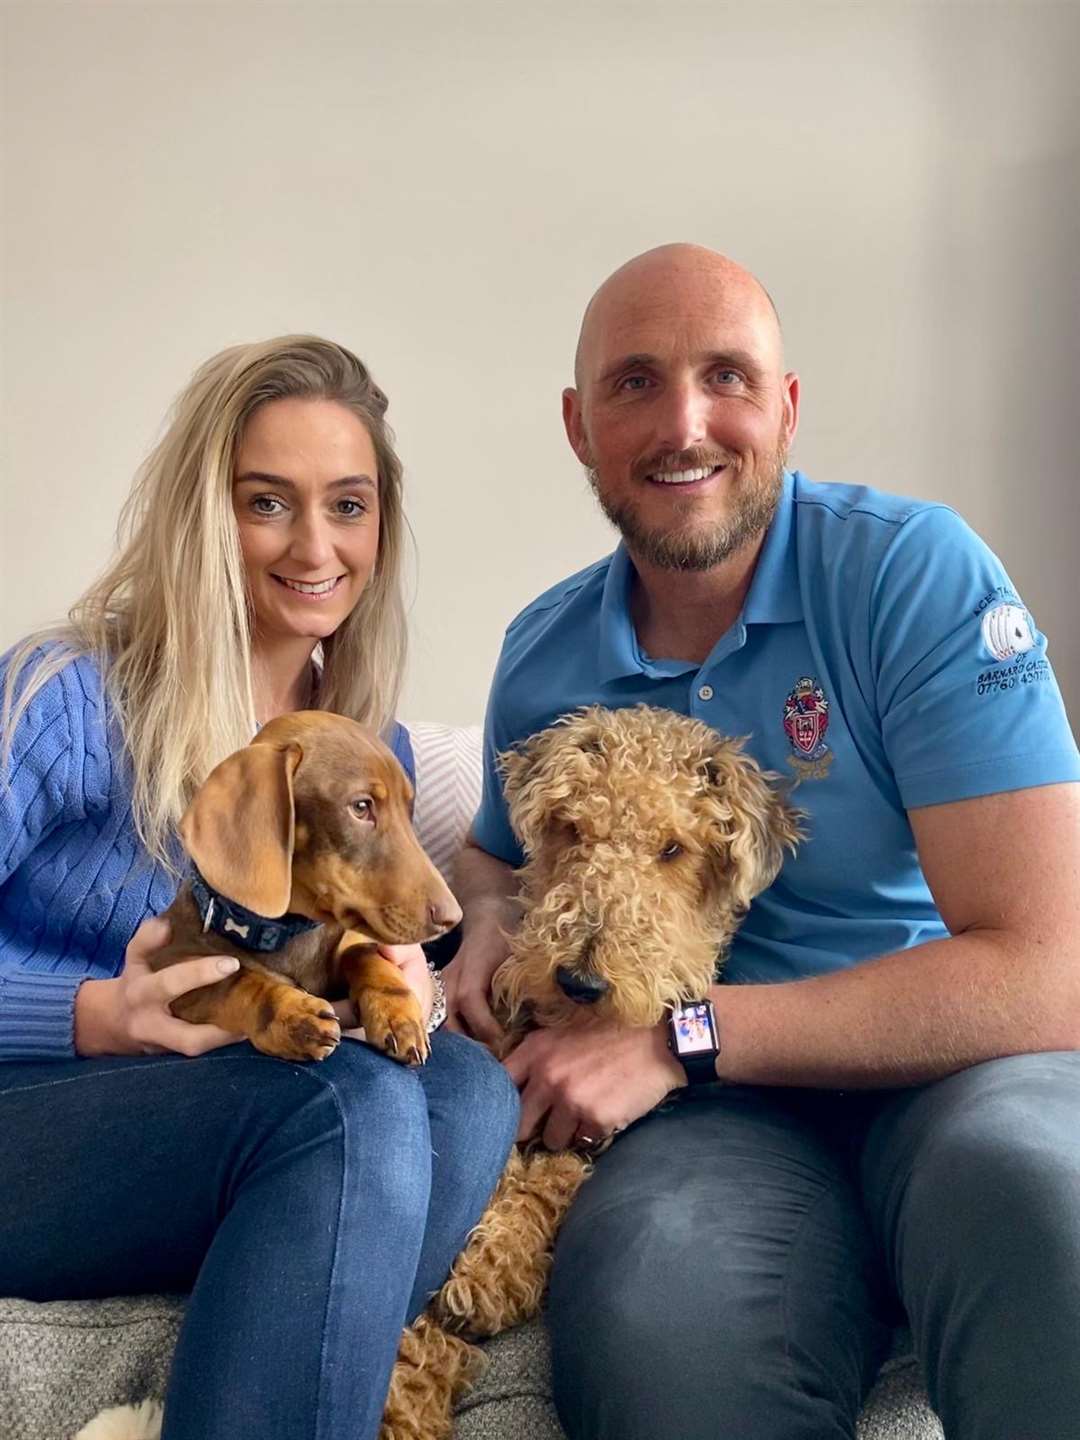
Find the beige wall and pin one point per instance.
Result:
(441, 186)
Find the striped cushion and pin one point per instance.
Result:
(448, 781)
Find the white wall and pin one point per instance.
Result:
(441, 186)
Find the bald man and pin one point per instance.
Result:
(890, 1125)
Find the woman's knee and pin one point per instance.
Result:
(472, 1099)
(355, 1083)
(356, 1109)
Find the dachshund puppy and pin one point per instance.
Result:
(305, 861)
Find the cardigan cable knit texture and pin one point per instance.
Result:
(75, 880)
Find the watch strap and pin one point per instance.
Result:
(700, 1069)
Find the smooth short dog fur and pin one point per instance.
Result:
(646, 837)
(311, 819)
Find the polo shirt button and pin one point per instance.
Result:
(705, 692)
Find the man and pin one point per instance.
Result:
(898, 1089)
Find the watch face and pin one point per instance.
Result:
(692, 1026)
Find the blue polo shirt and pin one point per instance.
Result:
(882, 662)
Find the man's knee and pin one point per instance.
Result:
(996, 1145)
(661, 1325)
(974, 1180)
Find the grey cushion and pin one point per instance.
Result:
(514, 1397)
(61, 1364)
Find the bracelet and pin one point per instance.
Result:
(438, 1001)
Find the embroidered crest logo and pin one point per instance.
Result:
(806, 719)
(1007, 631)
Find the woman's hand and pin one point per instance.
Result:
(412, 962)
(130, 1014)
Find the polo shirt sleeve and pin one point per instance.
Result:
(967, 700)
(491, 829)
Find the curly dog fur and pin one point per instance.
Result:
(646, 837)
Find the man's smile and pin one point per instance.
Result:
(685, 477)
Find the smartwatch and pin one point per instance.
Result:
(694, 1040)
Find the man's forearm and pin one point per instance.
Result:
(906, 1018)
(486, 888)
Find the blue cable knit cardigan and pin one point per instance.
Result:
(75, 881)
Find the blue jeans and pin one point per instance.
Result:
(311, 1210)
(734, 1267)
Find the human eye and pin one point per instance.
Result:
(726, 377)
(351, 507)
(632, 384)
(266, 505)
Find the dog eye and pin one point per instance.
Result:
(672, 851)
(363, 808)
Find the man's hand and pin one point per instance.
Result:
(468, 976)
(587, 1084)
(130, 1014)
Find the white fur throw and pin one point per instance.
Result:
(125, 1422)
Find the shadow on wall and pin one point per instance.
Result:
(1038, 493)
(1009, 295)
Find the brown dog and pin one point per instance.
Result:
(647, 836)
(306, 861)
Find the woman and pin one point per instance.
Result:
(310, 1209)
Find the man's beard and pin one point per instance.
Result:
(700, 545)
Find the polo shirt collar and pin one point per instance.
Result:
(619, 653)
(773, 597)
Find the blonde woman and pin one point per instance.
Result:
(310, 1210)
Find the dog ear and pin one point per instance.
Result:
(753, 821)
(530, 784)
(547, 770)
(239, 829)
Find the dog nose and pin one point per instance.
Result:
(582, 989)
(444, 914)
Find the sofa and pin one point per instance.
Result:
(62, 1363)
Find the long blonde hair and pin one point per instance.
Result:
(168, 623)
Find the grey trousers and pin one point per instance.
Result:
(735, 1266)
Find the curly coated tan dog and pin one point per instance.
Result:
(305, 861)
(646, 837)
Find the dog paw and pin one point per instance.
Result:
(301, 1027)
(394, 1024)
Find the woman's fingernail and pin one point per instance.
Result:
(227, 964)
